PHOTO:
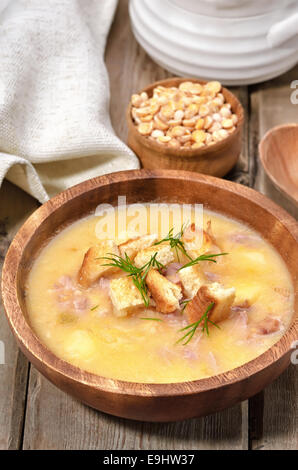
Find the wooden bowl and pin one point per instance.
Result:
(150, 402)
(217, 159)
(279, 156)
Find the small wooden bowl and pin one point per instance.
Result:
(217, 159)
(279, 156)
(150, 402)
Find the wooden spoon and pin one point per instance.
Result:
(279, 156)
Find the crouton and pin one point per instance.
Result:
(192, 279)
(221, 297)
(93, 267)
(125, 296)
(164, 255)
(133, 245)
(197, 244)
(165, 293)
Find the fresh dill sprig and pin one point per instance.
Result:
(148, 318)
(184, 303)
(138, 275)
(152, 263)
(175, 242)
(94, 308)
(125, 264)
(194, 326)
(139, 279)
(205, 257)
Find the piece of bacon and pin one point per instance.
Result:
(268, 326)
(243, 307)
(240, 323)
(172, 274)
(69, 297)
(213, 277)
(104, 284)
(190, 354)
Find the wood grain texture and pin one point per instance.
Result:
(15, 207)
(278, 151)
(271, 106)
(276, 426)
(131, 69)
(150, 402)
(55, 420)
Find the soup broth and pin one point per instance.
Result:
(78, 323)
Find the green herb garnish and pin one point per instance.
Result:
(194, 326)
(175, 242)
(208, 257)
(184, 303)
(148, 318)
(138, 275)
(94, 308)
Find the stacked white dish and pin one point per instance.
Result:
(234, 41)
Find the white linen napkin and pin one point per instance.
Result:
(55, 129)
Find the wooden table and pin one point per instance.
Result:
(36, 415)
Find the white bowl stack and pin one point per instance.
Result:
(234, 41)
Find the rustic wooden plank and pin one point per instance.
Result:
(128, 63)
(55, 420)
(256, 416)
(129, 67)
(218, 431)
(271, 105)
(15, 207)
(273, 417)
(242, 171)
(275, 427)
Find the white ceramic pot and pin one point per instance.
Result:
(234, 49)
(231, 8)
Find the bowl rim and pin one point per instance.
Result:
(31, 344)
(275, 181)
(186, 152)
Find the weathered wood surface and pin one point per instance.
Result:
(54, 420)
(15, 207)
(43, 417)
(271, 105)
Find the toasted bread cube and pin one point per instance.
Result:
(197, 243)
(125, 296)
(165, 293)
(133, 245)
(222, 298)
(164, 255)
(93, 267)
(192, 279)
